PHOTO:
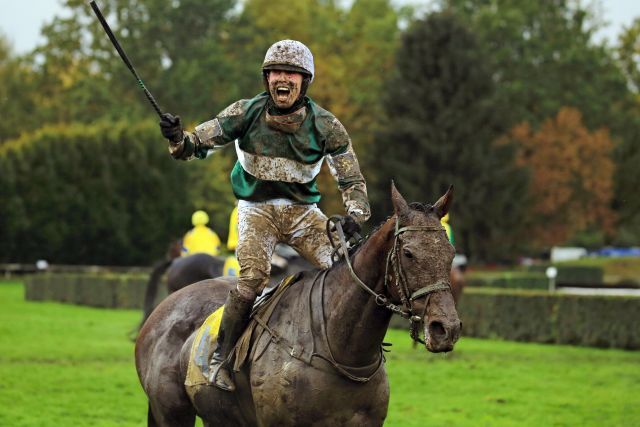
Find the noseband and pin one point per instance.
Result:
(407, 310)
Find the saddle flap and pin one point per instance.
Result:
(202, 348)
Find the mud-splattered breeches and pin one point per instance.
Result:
(263, 225)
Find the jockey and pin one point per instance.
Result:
(281, 139)
(200, 239)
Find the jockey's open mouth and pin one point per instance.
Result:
(284, 93)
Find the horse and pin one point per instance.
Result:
(317, 358)
(181, 271)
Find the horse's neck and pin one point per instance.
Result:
(356, 325)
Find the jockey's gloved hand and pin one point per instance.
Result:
(350, 227)
(171, 127)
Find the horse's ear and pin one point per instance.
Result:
(444, 203)
(400, 205)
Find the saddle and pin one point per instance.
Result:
(206, 338)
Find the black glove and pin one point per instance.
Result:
(350, 227)
(171, 128)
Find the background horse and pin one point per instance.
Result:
(320, 361)
(181, 271)
(457, 283)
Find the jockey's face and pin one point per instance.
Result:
(284, 87)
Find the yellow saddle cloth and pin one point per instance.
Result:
(202, 348)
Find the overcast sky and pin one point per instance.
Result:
(21, 20)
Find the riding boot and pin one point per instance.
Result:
(235, 318)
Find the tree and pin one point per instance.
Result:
(572, 178)
(176, 48)
(16, 94)
(627, 151)
(441, 130)
(353, 52)
(628, 50)
(543, 58)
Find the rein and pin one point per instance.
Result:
(407, 310)
(361, 374)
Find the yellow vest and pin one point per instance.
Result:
(232, 241)
(231, 267)
(201, 239)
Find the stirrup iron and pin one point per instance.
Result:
(221, 377)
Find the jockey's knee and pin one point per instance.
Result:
(253, 278)
(246, 292)
(250, 285)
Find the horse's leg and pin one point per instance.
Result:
(151, 422)
(170, 417)
(171, 407)
(163, 382)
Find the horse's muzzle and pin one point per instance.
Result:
(442, 334)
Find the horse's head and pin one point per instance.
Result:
(421, 261)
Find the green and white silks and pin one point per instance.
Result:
(277, 163)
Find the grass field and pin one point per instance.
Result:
(63, 365)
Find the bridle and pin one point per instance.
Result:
(407, 310)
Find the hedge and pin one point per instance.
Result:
(104, 193)
(96, 290)
(535, 278)
(534, 316)
(507, 279)
(518, 315)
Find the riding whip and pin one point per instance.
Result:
(124, 56)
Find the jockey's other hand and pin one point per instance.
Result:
(350, 227)
(171, 128)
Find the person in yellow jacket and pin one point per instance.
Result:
(231, 265)
(232, 241)
(200, 239)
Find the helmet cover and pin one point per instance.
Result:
(290, 55)
(199, 218)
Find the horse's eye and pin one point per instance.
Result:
(407, 253)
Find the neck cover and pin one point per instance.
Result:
(288, 123)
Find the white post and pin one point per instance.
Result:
(552, 273)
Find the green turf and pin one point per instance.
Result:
(63, 365)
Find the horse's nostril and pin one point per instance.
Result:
(437, 330)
